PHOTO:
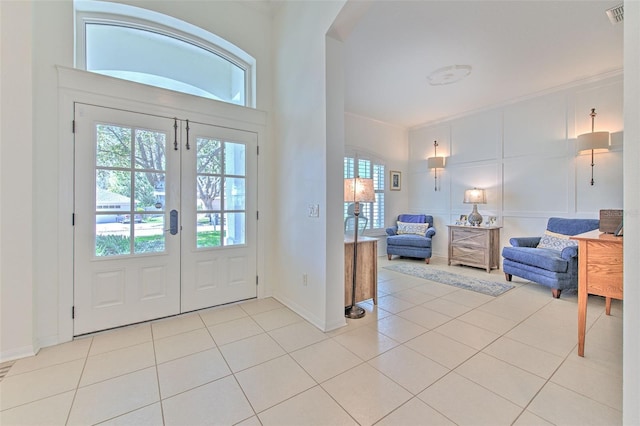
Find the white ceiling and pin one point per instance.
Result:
(515, 49)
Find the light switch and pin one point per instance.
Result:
(314, 210)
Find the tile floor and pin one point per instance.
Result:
(427, 354)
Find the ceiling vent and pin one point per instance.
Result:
(616, 14)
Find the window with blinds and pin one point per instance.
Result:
(371, 214)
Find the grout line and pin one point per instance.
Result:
(75, 392)
(155, 364)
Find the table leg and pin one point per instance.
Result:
(582, 296)
(582, 321)
(608, 305)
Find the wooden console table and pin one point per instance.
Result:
(475, 246)
(367, 277)
(600, 267)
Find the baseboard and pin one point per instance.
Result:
(304, 313)
(17, 353)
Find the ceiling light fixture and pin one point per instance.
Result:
(449, 75)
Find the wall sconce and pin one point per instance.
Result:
(435, 163)
(594, 141)
(475, 196)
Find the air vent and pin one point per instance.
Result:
(616, 14)
(4, 368)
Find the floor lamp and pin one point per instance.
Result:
(356, 190)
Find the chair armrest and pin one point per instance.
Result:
(569, 252)
(430, 232)
(393, 230)
(525, 241)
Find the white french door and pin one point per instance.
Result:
(219, 216)
(164, 217)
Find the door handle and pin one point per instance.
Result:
(173, 222)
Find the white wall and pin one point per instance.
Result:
(16, 179)
(307, 158)
(524, 155)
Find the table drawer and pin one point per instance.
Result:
(469, 237)
(468, 255)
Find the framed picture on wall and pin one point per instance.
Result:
(395, 180)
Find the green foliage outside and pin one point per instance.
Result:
(111, 245)
(114, 245)
(208, 239)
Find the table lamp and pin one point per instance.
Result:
(475, 196)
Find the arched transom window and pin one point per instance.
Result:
(147, 47)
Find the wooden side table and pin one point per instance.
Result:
(600, 268)
(367, 277)
(477, 246)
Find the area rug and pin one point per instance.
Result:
(490, 288)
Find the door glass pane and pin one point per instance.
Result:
(234, 159)
(113, 190)
(234, 229)
(149, 191)
(234, 193)
(112, 239)
(149, 233)
(208, 230)
(209, 156)
(208, 193)
(113, 147)
(150, 150)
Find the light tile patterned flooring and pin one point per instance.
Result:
(427, 354)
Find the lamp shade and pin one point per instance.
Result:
(593, 140)
(475, 196)
(435, 162)
(359, 190)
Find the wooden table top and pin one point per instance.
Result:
(597, 235)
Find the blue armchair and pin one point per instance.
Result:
(550, 260)
(411, 236)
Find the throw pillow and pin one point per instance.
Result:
(555, 241)
(412, 228)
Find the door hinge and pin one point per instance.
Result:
(257, 215)
(73, 312)
(256, 280)
(258, 150)
(73, 219)
(73, 126)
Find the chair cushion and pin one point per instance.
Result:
(552, 240)
(571, 226)
(410, 240)
(412, 218)
(542, 258)
(412, 228)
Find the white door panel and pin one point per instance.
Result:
(219, 219)
(127, 268)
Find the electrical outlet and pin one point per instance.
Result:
(304, 279)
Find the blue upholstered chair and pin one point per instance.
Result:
(549, 259)
(411, 236)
